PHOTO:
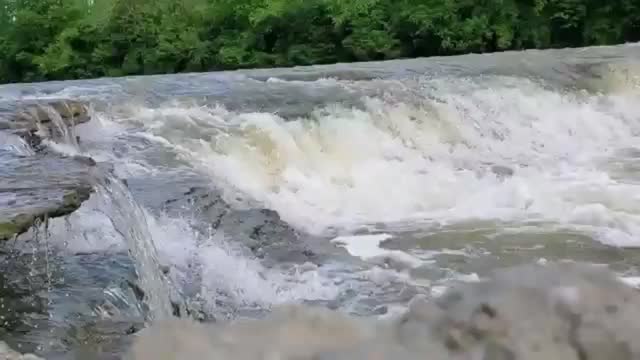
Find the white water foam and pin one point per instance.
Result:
(211, 262)
(14, 144)
(368, 248)
(394, 162)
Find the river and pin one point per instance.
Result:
(352, 186)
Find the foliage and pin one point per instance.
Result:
(69, 39)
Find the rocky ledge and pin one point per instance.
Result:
(38, 185)
(52, 119)
(558, 311)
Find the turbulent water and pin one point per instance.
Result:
(388, 179)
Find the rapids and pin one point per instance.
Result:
(351, 186)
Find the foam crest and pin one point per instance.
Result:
(494, 148)
(204, 267)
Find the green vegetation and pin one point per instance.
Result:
(69, 39)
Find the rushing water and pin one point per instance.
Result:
(388, 179)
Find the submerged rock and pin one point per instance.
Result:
(6, 353)
(560, 311)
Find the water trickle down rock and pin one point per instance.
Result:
(558, 311)
(54, 119)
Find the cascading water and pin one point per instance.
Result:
(248, 190)
(130, 222)
(15, 144)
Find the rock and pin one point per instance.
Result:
(290, 332)
(6, 353)
(502, 171)
(262, 231)
(44, 113)
(268, 236)
(21, 223)
(558, 311)
(53, 119)
(85, 160)
(32, 139)
(38, 187)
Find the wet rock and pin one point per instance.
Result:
(6, 353)
(502, 171)
(53, 119)
(291, 332)
(21, 223)
(46, 185)
(262, 231)
(85, 160)
(559, 311)
(39, 187)
(206, 204)
(29, 116)
(31, 138)
(542, 312)
(268, 236)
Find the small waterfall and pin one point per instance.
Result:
(129, 219)
(64, 131)
(15, 144)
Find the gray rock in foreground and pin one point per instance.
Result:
(6, 353)
(559, 311)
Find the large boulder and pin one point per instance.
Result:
(559, 311)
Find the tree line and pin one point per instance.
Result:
(72, 39)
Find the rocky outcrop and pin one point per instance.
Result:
(262, 231)
(70, 201)
(6, 353)
(35, 188)
(29, 116)
(43, 185)
(52, 119)
(559, 311)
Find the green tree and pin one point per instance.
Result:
(69, 39)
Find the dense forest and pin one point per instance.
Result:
(70, 39)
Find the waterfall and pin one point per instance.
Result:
(130, 221)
